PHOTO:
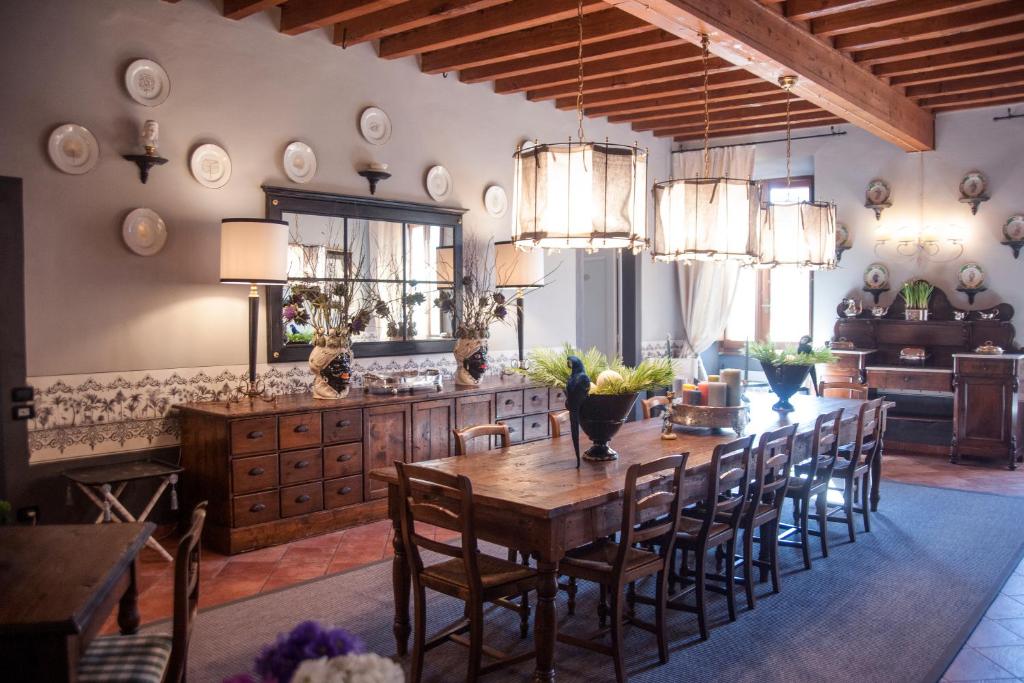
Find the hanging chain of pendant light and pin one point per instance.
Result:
(705, 216)
(796, 232)
(580, 194)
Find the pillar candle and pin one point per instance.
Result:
(703, 389)
(717, 394)
(689, 387)
(692, 397)
(713, 378)
(677, 386)
(733, 379)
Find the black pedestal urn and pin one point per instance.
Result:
(600, 418)
(785, 380)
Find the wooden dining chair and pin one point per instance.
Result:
(154, 658)
(811, 481)
(853, 390)
(853, 468)
(465, 438)
(427, 496)
(654, 403)
(616, 565)
(713, 524)
(558, 422)
(773, 461)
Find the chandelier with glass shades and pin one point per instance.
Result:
(796, 233)
(581, 194)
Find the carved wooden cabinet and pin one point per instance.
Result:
(277, 471)
(986, 409)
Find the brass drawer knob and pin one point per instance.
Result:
(344, 457)
(345, 490)
(342, 424)
(258, 507)
(509, 402)
(302, 429)
(254, 435)
(302, 464)
(256, 471)
(535, 425)
(302, 499)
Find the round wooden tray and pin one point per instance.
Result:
(709, 417)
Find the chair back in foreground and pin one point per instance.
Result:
(186, 593)
(466, 439)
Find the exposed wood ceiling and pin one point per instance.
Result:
(884, 65)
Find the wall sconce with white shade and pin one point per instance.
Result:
(253, 251)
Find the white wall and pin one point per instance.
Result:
(93, 306)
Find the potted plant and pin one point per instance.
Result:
(916, 294)
(613, 389)
(787, 370)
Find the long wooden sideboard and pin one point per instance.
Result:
(275, 471)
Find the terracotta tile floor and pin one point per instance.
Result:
(995, 650)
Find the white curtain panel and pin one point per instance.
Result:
(707, 288)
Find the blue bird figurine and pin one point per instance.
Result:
(576, 389)
(804, 346)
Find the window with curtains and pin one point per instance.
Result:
(774, 303)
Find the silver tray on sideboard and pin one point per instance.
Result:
(400, 381)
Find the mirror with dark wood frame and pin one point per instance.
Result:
(403, 255)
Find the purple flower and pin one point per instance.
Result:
(289, 312)
(500, 312)
(308, 640)
(499, 298)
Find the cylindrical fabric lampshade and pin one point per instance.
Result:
(253, 251)
(801, 234)
(580, 195)
(516, 268)
(705, 219)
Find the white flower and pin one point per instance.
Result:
(368, 668)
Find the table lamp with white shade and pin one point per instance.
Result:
(519, 270)
(253, 251)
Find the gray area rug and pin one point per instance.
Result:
(894, 606)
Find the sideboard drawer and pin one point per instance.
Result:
(296, 431)
(343, 425)
(257, 435)
(341, 492)
(509, 403)
(254, 474)
(906, 379)
(343, 460)
(255, 508)
(298, 500)
(556, 398)
(299, 466)
(985, 367)
(535, 426)
(515, 429)
(535, 401)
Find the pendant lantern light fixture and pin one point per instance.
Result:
(796, 233)
(580, 194)
(706, 217)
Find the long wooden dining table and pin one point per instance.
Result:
(532, 497)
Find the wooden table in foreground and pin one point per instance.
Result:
(59, 584)
(532, 497)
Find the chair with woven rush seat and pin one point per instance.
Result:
(843, 390)
(853, 467)
(773, 463)
(428, 496)
(154, 657)
(615, 565)
(714, 523)
(649, 405)
(559, 422)
(811, 481)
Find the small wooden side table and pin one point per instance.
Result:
(103, 484)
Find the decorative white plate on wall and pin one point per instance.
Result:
(973, 185)
(496, 201)
(878, 191)
(1013, 229)
(144, 232)
(147, 82)
(299, 162)
(876, 276)
(375, 126)
(842, 235)
(971, 276)
(73, 149)
(211, 166)
(439, 183)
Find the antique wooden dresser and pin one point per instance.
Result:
(295, 467)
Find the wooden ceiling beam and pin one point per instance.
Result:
(960, 71)
(668, 102)
(804, 10)
(611, 66)
(814, 116)
(723, 116)
(640, 93)
(299, 16)
(892, 13)
(592, 52)
(748, 34)
(996, 35)
(504, 19)
(752, 128)
(697, 105)
(961, 100)
(1014, 98)
(649, 76)
(935, 27)
(944, 60)
(405, 17)
(964, 85)
(240, 9)
(597, 27)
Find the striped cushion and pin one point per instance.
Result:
(125, 659)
